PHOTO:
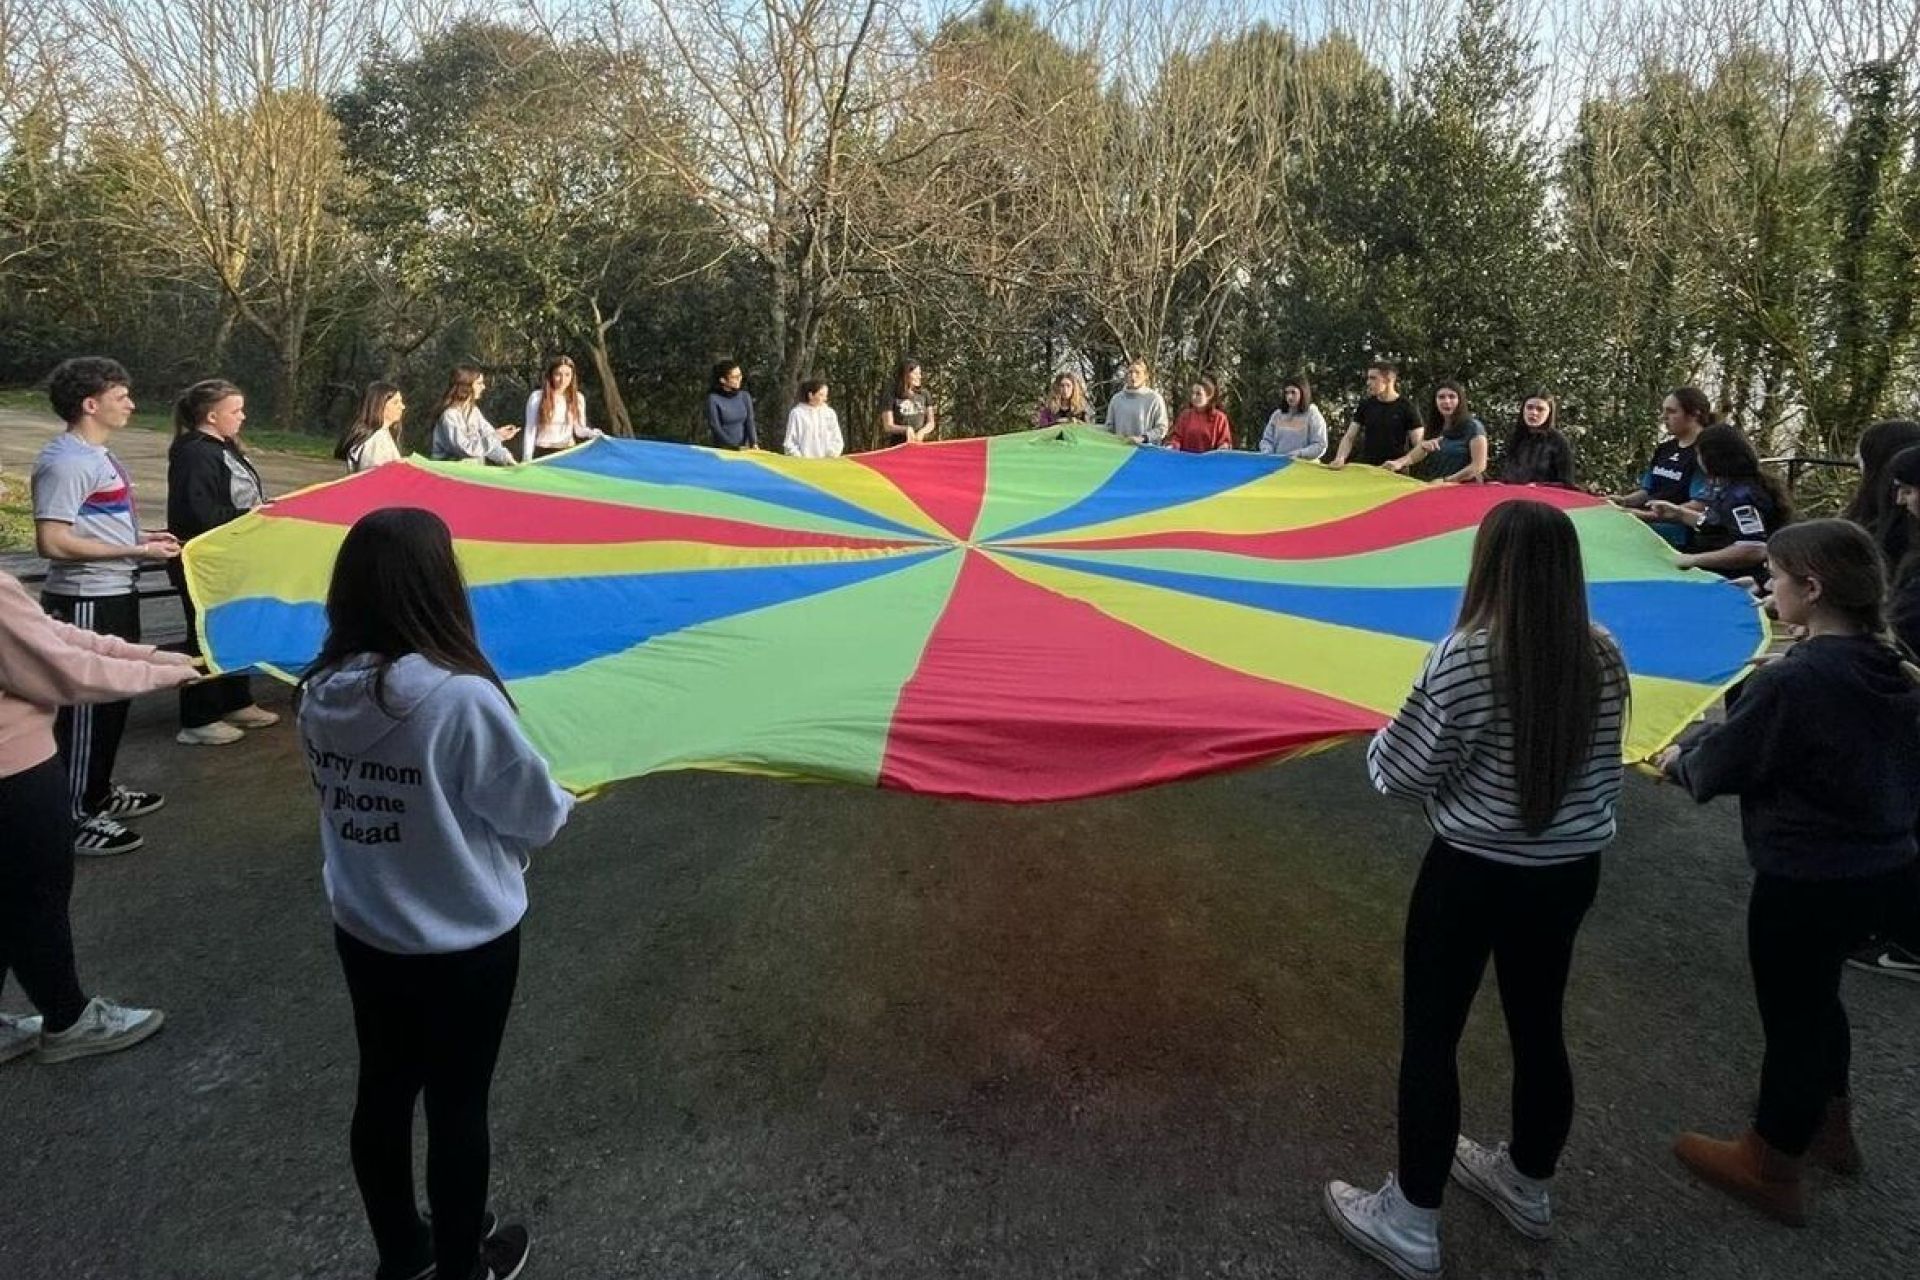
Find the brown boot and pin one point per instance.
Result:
(1833, 1145)
(1750, 1170)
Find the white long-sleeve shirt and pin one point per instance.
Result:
(567, 427)
(813, 431)
(1451, 748)
(1296, 435)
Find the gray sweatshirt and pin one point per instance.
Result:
(465, 433)
(428, 807)
(1137, 415)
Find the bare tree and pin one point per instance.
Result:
(793, 122)
(231, 154)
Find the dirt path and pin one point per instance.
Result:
(144, 453)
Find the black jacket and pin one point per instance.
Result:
(209, 482)
(1823, 749)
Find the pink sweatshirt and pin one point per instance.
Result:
(45, 665)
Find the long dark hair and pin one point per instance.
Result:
(1726, 454)
(190, 410)
(397, 590)
(1521, 430)
(1904, 468)
(1450, 424)
(1527, 589)
(367, 420)
(1300, 383)
(900, 372)
(575, 410)
(460, 387)
(1879, 444)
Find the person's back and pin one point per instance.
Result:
(429, 804)
(1468, 780)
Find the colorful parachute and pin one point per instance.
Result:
(1029, 617)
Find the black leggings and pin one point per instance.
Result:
(36, 884)
(205, 701)
(1799, 933)
(432, 1024)
(1464, 909)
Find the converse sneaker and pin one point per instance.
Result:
(102, 837)
(217, 734)
(1889, 959)
(104, 1027)
(19, 1036)
(1382, 1223)
(1489, 1173)
(251, 717)
(503, 1254)
(125, 803)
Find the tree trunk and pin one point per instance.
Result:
(619, 423)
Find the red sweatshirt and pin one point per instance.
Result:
(1201, 431)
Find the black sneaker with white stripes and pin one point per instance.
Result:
(102, 837)
(124, 803)
(1889, 959)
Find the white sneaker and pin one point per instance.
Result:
(104, 1027)
(1382, 1223)
(1489, 1173)
(251, 717)
(19, 1036)
(217, 734)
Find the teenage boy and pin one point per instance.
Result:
(1384, 425)
(85, 525)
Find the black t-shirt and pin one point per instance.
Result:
(909, 414)
(1737, 512)
(1384, 425)
(1539, 457)
(1670, 475)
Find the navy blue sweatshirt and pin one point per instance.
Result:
(1823, 749)
(730, 420)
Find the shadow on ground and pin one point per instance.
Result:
(772, 1030)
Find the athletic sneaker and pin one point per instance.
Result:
(104, 1027)
(1889, 958)
(1383, 1223)
(19, 1036)
(102, 837)
(1489, 1173)
(125, 803)
(251, 717)
(503, 1255)
(217, 734)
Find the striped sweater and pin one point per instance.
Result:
(1451, 748)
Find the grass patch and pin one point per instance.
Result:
(16, 514)
(257, 435)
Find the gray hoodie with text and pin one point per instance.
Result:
(428, 805)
